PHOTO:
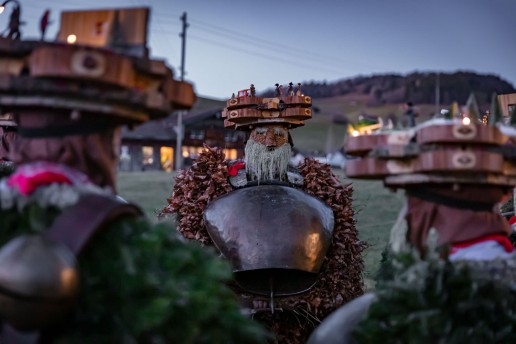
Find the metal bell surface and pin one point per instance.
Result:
(275, 236)
(38, 281)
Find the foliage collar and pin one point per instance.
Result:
(47, 184)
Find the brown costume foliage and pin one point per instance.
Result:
(194, 188)
(340, 279)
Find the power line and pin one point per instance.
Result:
(272, 44)
(158, 22)
(269, 45)
(262, 55)
(249, 39)
(168, 32)
(275, 47)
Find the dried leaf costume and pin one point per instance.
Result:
(340, 279)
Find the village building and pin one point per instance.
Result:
(507, 103)
(152, 145)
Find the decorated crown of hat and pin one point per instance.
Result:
(440, 151)
(96, 76)
(246, 111)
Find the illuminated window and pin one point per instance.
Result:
(167, 158)
(147, 155)
(191, 152)
(231, 154)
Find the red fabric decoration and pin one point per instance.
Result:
(233, 169)
(27, 184)
(501, 239)
(512, 220)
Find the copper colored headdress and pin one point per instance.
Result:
(108, 75)
(439, 151)
(454, 171)
(68, 99)
(246, 111)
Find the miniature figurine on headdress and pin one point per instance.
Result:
(44, 23)
(450, 240)
(268, 150)
(289, 232)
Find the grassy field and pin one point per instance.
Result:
(376, 210)
(376, 207)
(148, 189)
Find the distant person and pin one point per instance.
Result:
(14, 24)
(43, 24)
(409, 118)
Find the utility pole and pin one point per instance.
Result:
(183, 45)
(437, 95)
(179, 128)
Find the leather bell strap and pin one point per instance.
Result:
(76, 226)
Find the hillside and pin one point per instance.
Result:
(419, 88)
(384, 95)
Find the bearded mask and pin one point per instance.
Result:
(267, 153)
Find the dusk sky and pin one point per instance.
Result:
(231, 44)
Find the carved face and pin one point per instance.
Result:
(271, 136)
(267, 153)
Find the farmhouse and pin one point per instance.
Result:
(152, 145)
(507, 103)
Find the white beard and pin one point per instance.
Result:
(264, 164)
